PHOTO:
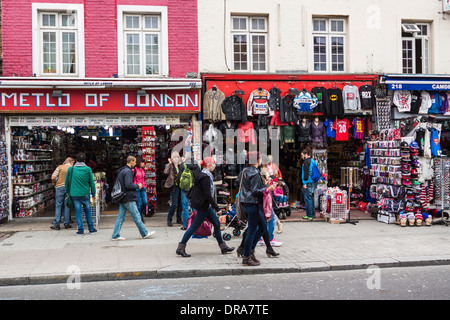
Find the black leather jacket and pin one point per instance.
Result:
(252, 187)
(234, 108)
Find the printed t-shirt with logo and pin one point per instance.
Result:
(341, 126)
(402, 99)
(329, 125)
(358, 128)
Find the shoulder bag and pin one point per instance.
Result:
(240, 213)
(68, 199)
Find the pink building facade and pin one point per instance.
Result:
(146, 39)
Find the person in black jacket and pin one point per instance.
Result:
(202, 199)
(128, 203)
(251, 198)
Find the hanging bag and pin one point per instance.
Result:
(205, 229)
(68, 202)
(240, 213)
(267, 204)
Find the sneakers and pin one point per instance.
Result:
(149, 234)
(276, 243)
(93, 231)
(261, 243)
(118, 239)
(307, 218)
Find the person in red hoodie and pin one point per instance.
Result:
(139, 177)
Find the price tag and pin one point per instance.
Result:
(339, 198)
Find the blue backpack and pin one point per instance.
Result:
(315, 172)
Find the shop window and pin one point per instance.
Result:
(415, 48)
(249, 36)
(142, 35)
(329, 44)
(58, 43)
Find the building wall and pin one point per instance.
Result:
(373, 36)
(100, 36)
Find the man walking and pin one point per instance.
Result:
(309, 185)
(80, 183)
(58, 181)
(128, 203)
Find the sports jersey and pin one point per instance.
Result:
(358, 128)
(305, 101)
(258, 103)
(330, 131)
(402, 99)
(341, 126)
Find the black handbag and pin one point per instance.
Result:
(68, 202)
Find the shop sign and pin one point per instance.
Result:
(339, 198)
(99, 101)
(94, 121)
(428, 86)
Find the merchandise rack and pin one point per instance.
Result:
(335, 205)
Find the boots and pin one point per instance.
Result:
(181, 250)
(224, 248)
(252, 256)
(248, 262)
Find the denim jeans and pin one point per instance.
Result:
(199, 218)
(81, 203)
(179, 197)
(256, 226)
(132, 208)
(60, 194)
(271, 225)
(308, 194)
(281, 199)
(141, 199)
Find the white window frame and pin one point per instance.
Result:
(38, 9)
(129, 10)
(426, 50)
(250, 32)
(328, 35)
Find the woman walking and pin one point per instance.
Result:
(139, 177)
(202, 199)
(251, 197)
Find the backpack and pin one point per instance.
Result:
(117, 192)
(186, 179)
(315, 172)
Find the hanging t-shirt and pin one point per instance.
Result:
(426, 102)
(416, 101)
(358, 128)
(402, 99)
(367, 95)
(341, 126)
(435, 102)
(329, 125)
(435, 143)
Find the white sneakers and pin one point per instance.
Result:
(149, 234)
(274, 243)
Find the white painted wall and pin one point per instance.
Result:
(373, 33)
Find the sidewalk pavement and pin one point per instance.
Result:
(31, 253)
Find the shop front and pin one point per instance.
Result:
(281, 114)
(410, 168)
(45, 121)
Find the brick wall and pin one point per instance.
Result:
(101, 54)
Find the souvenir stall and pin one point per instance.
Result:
(408, 160)
(283, 114)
